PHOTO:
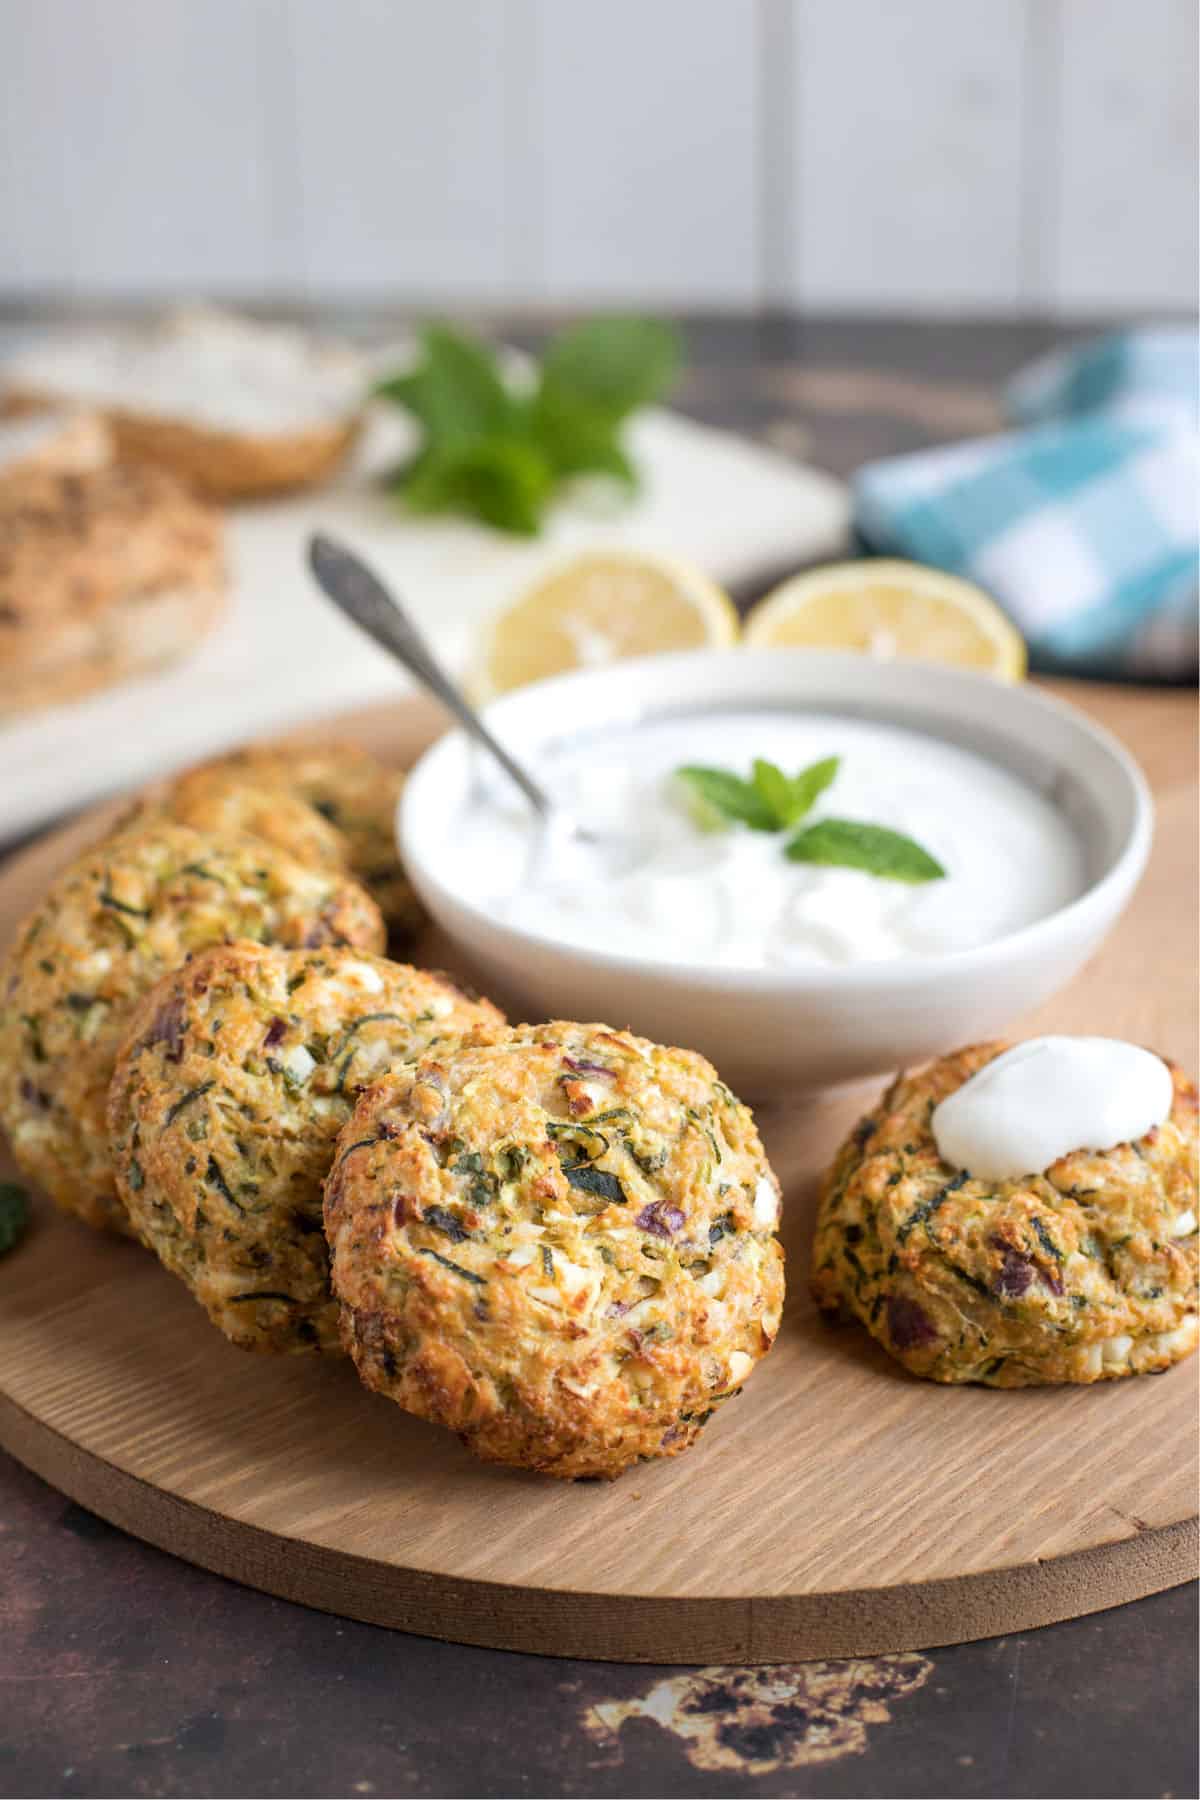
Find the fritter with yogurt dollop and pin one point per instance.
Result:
(1082, 1272)
(561, 1243)
(237, 1073)
(123, 914)
(333, 806)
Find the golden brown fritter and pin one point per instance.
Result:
(103, 574)
(54, 443)
(1082, 1273)
(220, 798)
(236, 1075)
(126, 912)
(334, 807)
(558, 1241)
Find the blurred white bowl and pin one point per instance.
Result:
(769, 1030)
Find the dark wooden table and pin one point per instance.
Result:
(126, 1672)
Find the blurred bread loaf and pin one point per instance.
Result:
(234, 408)
(103, 574)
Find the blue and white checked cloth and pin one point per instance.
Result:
(1082, 524)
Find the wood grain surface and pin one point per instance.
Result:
(838, 1508)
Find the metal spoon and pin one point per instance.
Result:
(360, 594)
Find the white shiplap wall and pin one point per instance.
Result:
(393, 143)
(135, 147)
(1124, 220)
(944, 155)
(908, 154)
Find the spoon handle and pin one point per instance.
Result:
(360, 594)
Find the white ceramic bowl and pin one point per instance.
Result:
(772, 1030)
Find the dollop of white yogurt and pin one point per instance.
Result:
(1043, 1099)
(202, 366)
(671, 892)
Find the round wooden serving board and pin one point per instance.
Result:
(838, 1508)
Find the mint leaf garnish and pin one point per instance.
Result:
(789, 798)
(500, 451)
(575, 440)
(849, 844)
(728, 796)
(810, 784)
(775, 791)
(773, 801)
(500, 480)
(769, 801)
(456, 391)
(612, 366)
(14, 1215)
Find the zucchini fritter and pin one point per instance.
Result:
(222, 799)
(123, 914)
(1082, 1273)
(235, 1077)
(559, 1242)
(108, 572)
(333, 806)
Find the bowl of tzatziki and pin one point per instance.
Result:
(810, 866)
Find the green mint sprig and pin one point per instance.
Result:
(849, 844)
(772, 801)
(769, 801)
(500, 450)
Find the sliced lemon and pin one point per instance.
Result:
(885, 608)
(601, 607)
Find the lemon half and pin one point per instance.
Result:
(601, 607)
(890, 608)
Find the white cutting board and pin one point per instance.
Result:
(282, 654)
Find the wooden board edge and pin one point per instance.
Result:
(605, 1627)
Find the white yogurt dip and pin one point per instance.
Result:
(1043, 1099)
(730, 898)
